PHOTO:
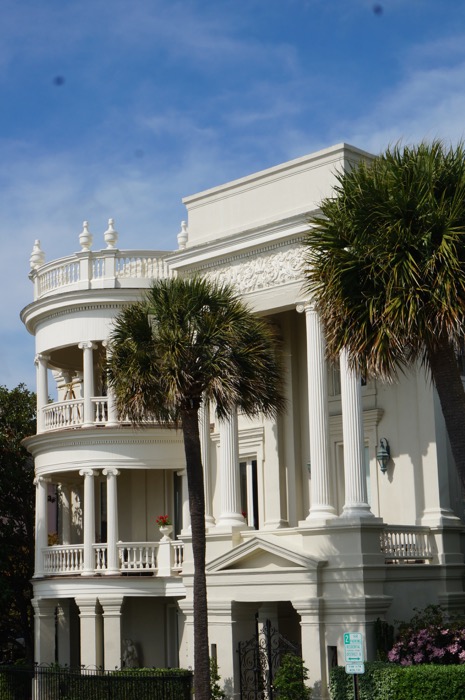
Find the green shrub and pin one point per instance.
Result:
(387, 681)
(289, 680)
(215, 688)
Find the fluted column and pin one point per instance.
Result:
(356, 501)
(88, 377)
(41, 525)
(112, 520)
(89, 520)
(321, 499)
(204, 421)
(111, 402)
(230, 515)
(41, 363)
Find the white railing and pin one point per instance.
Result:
(64, 559)
(178, 555)
(100, 269)
(63, 274)
(63, 414)
(138, 556)
(133, 557)
(100, 410)
(100, 557)
(406, 544)
(140, 267)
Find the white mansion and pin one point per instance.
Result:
(307, 526)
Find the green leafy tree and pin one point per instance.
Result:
(191, 341)
(17, 421)
(386, 267)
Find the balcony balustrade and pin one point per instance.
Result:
(406, 545)
(133, 557)
(99, 270)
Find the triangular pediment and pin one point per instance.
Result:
(259, 554)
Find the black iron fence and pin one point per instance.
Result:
(61, 683)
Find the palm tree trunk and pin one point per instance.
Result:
(190, 427)
(446, 377)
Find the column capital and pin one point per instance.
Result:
(41, 357)
(88, 472)
(111, 471)
(306, 306)
(87, 345)
(41, 480)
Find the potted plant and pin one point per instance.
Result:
(165, 526)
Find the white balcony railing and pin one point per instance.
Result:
(98, 270)
(133, 557)
(63, 559)
(406, 544)
(63, 414)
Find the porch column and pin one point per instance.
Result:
(111, 631)
(63, 633)
(186, 514)
(89, 521)
(356, 501)
(65, 512)
(88, 381)
(230, 515)
(41, 525)
(91, 632)
(321, 497)
(313, 642)
(111, 403)
(44, 630)
(41, 363)
(112, 520)
(186, 631)
(273, 503)
(204, 420)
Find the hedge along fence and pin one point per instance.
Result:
(387, 681)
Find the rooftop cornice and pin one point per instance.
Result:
(326, 156)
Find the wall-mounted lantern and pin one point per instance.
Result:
(383, 455)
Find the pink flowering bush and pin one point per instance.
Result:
(430, 638)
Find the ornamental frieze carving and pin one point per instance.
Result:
(262, 271)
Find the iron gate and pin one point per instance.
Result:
(259, 659)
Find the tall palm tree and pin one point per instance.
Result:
(190, 341)
(386, 267)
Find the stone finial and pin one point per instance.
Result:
(183, 235)
(85, 237)
(110, 235)
(37, 256)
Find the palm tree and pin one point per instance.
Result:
(187, 342)
(386, 267)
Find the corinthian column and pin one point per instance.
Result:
(230, 515)
(320, 498)
(356, 501)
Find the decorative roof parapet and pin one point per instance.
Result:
(85, 237)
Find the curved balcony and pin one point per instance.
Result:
(70, 414)
(157, 558)
(99, 270)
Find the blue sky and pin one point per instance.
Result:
(119, 109)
